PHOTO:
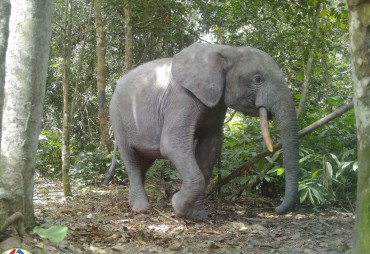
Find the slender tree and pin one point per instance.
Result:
(26, 69)
(101, 77)
(4, 33)
(308, 66)
(66, 153)
(128, 64)
(360, 48)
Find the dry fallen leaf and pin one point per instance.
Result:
(175, 246)
(227, 230)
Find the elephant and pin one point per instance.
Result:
(174, 108)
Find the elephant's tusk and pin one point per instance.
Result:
(265, 128)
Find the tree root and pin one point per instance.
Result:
(18, 219)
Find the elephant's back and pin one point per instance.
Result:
(136, 105)
(144, 81)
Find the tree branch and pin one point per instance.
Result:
(246, 167)
(338, 112)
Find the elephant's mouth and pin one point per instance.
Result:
(264, 120)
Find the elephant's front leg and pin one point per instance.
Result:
(207, 150)
(181, 154)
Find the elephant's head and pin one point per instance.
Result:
(248, 80)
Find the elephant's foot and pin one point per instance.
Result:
(139, 203)
(183, 208)
(140, 207)
(199, 213)
(190, 210)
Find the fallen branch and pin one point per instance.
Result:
(246, 167)
(338, 112)
(167, 217)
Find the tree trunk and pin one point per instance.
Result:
(66, 153)
(306, 83)
(4, 33)
(26, 70)
(79, 63)
(128, 64)
(101, 74)
(360, 48)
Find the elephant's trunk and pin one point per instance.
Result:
(280, 104)
(284, 112)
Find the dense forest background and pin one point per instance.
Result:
(308, 39)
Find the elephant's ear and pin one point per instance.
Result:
(200, 69)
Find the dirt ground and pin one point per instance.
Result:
(100, 221)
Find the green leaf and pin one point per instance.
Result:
(280, 171)
(244, 180)
(317, 71)
(299, 76)
(306, 53)
(323, 13)
(305, 158)
(355, 166)
(315, 173)
(303, 196)
(55, 233)
(329, 169)
(334, 101)
(297, 96)
(345, 164)
(311, 197)
(318, 195)
(268, 158)
(335, 158)
(339, 172)
(315, 3)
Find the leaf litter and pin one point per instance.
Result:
(99, 220)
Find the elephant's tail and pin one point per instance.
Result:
(112, 169)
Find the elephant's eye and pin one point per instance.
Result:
(257, 79)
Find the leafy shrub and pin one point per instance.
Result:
(163, 170)
(88, 167)
(49, 154)
(241, 135)
(242, 140)
(325, 177)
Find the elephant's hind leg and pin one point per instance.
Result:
(136, 167)
(206, 152)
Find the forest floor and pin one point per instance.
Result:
(99, 220)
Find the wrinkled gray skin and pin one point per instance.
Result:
(162, 109)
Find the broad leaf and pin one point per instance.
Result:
(55, 233)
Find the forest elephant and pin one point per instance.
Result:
(174, 109)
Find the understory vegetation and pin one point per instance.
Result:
(307, 38)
